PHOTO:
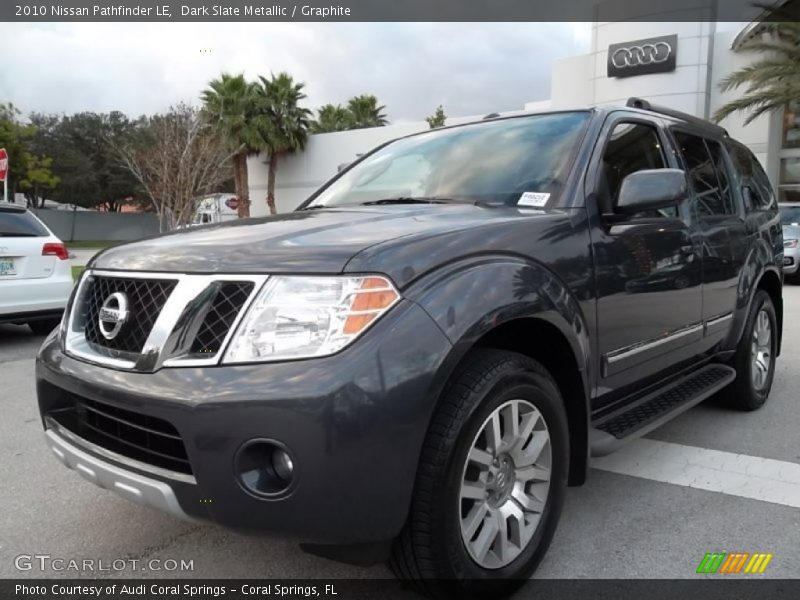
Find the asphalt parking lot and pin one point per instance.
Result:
(638, 516)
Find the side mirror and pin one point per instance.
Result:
(650, 190)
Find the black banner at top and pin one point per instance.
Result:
(391, 10)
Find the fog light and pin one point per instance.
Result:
(283, 465)
(265, 468)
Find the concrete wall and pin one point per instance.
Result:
(683, 89)
(89, 225)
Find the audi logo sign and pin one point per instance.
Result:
(642, 57)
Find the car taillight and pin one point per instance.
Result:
(52, 249)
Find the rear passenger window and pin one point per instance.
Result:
(705, 164)
(631, 147)
(761, 196)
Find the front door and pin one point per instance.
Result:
(648, 268)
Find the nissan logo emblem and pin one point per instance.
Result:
(646, 54)
(113, 315)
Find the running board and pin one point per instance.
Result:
(635, 420)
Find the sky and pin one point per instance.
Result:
(142, 68)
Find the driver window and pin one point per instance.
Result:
(631, 147)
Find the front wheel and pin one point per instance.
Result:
(754, 360)
(491, 480)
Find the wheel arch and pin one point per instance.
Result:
(524, 308)
(555, 353)
(771, 282)
(760, 270)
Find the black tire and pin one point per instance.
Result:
(44, 326)
(743, 394)
(430, 553)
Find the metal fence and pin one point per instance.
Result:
(78, 225)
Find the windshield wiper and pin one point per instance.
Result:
(396, 200)
(411, 200)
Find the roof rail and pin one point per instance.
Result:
(663, 110)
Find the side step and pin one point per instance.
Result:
(629, 422)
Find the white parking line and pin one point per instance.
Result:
(725, 472)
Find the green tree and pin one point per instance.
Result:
(366, 112)
(332, 117)
(437, 119)
(15, 137)
(283, 124)
(89, 171)
(39, 180)
(771, 82)
(230, 103)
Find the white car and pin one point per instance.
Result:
(35, 274)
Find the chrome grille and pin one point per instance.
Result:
(147, 298)
(222, 312)
(173, 320)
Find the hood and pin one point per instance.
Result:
(315, 241)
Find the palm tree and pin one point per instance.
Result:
(772, 82)
(229, 104)
(332, 117)
(282, 122)
(366, 112)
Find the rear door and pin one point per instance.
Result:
(718, 218)
(22, 237)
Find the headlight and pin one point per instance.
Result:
(301, 317)
(790, 243)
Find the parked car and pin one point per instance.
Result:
(216, 208)
(790, 220)
(418, 361)
(35, 274)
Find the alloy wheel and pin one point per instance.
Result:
(505, 484)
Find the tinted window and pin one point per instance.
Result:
(631, 147)
(753, 177)
(704, 162)
(492, 162)
(20, 224)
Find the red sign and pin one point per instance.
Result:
(3, 164)
(232, 203)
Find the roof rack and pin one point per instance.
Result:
(643, 104)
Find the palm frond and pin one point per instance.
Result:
(759, 103)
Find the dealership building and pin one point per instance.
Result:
(674, 64)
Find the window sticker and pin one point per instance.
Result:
(536, 199)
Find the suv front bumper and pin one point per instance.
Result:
(354, 422)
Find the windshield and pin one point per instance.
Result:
(790, 215)
(508, 161)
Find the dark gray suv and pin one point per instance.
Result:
(417, 362)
